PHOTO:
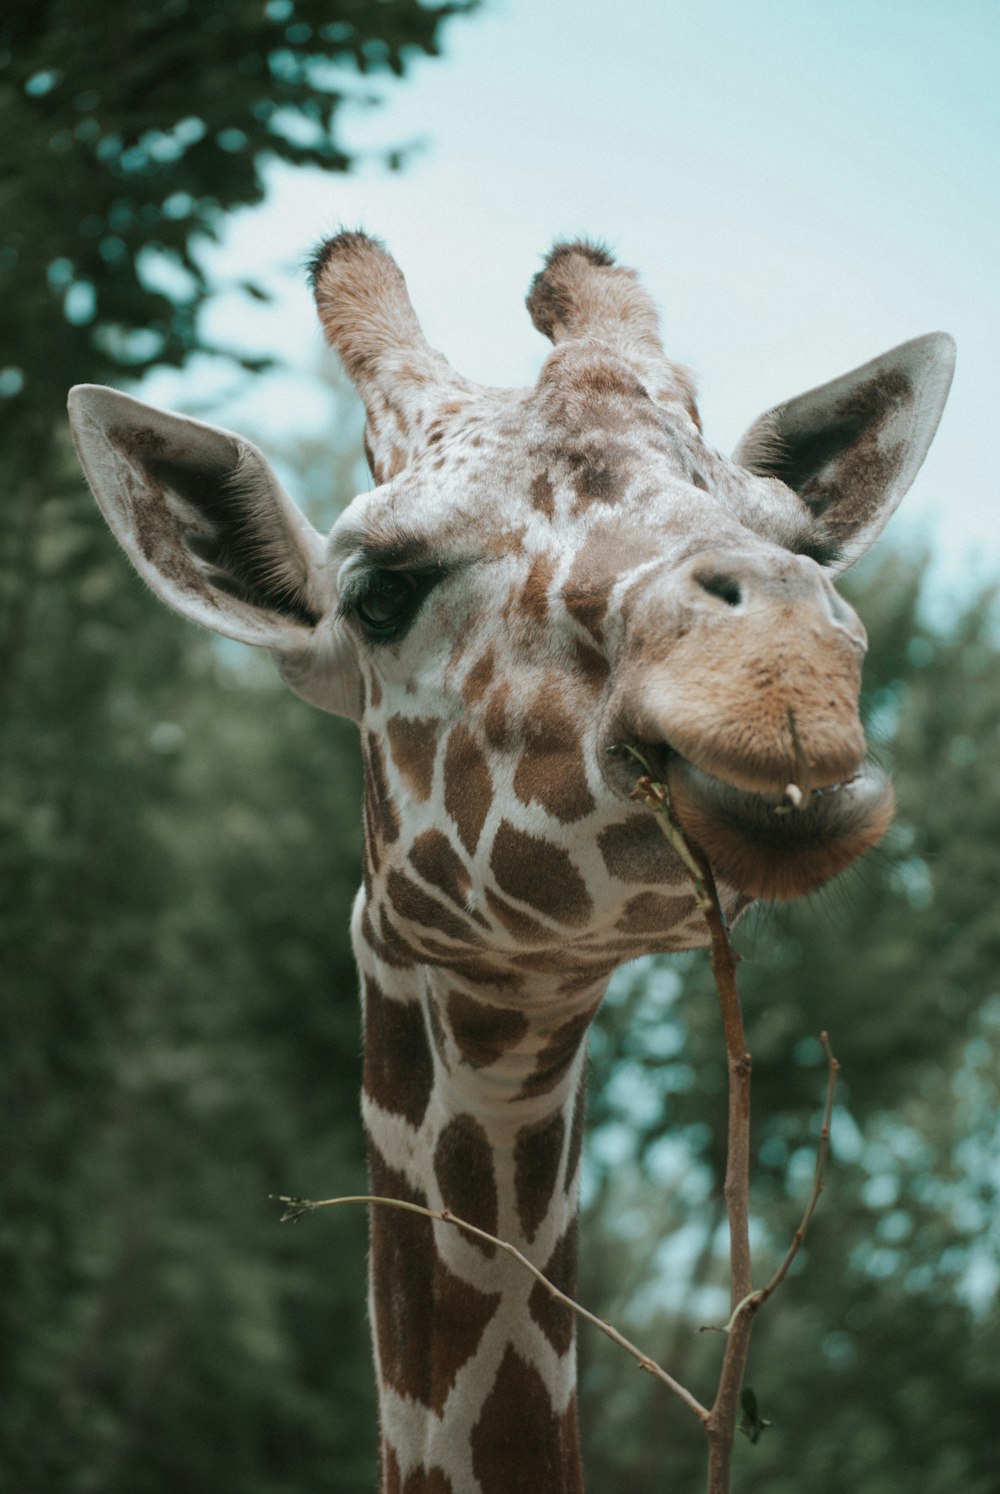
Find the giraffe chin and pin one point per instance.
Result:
(768, 848)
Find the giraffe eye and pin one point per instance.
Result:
(385, 602)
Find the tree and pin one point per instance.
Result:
(180, 1026)
(128, 134)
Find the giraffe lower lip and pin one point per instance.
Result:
(767, 846)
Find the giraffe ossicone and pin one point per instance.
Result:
(538, 576)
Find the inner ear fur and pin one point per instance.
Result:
(202, 517)
(851, 448)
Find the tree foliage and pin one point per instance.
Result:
(130, 131)
(178, 837)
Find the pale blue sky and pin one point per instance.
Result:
(801, 185)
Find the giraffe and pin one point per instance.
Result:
(538, 576)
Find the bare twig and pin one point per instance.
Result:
(755, 1300)
(300, 1208)
(818, 1176)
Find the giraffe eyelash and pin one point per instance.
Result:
(366, 586)
(825, 554)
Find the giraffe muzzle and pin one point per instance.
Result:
(779, 846)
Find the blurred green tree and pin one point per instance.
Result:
(128, 134)
(178, 851)
(879, 1360)
(178, 837)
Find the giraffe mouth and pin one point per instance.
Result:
(775, 845)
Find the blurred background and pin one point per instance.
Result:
(801, 186)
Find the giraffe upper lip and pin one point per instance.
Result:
(663, 758)
(795, 801)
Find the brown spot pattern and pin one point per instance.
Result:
(523, 928)
(604, 379)
(394, 948)
(554, 1060)
(540, 874)
(428, 1322)
(398, 1069)
(554, 1318)
(411, 902)
(634, 850)
(519, 1444)
(506, 542)
(543, 496)
(382, 814)
(413, 744)
(434, 857)
(591, 664)
(651, 913)
(534, 600)
(608, 552)
(499, 733)
(489, 977)
(468, 786)
(537, 1154)
(418, 1481)
(599, 471)
(463, 1165)
(551, 771)
(389, 947)
(587, 603)
(483, 1032)
(479, 678)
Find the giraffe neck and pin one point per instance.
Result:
(476, 1107)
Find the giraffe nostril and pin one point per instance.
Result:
(718, 584)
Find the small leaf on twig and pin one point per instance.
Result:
(297, 1208)
(752, 1424)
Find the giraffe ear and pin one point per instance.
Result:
(850, 449)
(207, 525)
(202, 518)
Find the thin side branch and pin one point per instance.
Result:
(300, 1208)
(822, 1153)
(755, 1300)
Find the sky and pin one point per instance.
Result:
(800, 185)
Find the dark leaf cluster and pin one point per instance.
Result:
(128, 132)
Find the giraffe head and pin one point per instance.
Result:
(538, 578)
